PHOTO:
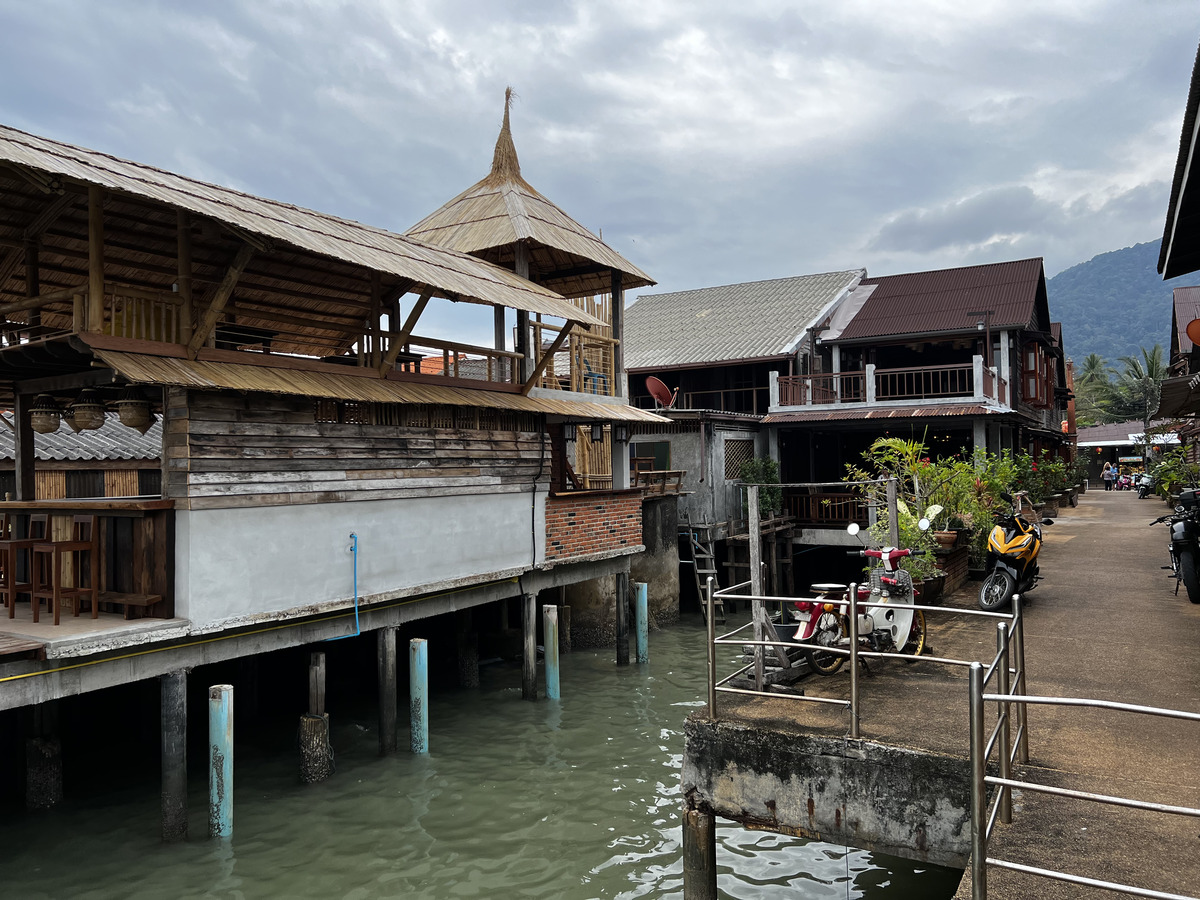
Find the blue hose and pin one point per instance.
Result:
(357, 627)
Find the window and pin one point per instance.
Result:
(738, 452)
(654, 455)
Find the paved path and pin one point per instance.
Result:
(1104, 623)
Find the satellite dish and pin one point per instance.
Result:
(663, 394)
(1193, 331)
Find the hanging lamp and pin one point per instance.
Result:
(44, 415)
(134, 410)
(87, 411)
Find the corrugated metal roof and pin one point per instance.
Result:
(1178, 253)
(504, 208)
(753, 320)
(1186, 308)
(448, 271)
(1113, 433)
(364, 388)
(940, 301)
(112, 441)
(896, 412)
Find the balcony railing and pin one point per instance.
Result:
(824, 508)
(957, 383)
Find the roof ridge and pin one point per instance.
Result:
(718, 287)
(1009, 262)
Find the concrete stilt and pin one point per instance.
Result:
(418, 694)
(642, 618)
(316, 753)
(564, 628)
(550, 632)
(622, 591)
(529, 654)
(173, 715)
(43, 760)
(220, 761)
(699, 855)
(468, 659)
(386, 662)
(247, 689)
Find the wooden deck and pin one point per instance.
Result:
(12, 648)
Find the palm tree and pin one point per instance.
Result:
(1092, 385)
(1134, 395)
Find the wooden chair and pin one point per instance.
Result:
(47, 562)
(11, 548)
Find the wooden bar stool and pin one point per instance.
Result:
(47, 563)
(11, 548)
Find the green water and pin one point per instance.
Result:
(577, 798)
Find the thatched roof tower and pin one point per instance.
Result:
(493, 216)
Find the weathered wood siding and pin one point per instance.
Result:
(226, 450)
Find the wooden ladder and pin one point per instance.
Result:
(704, 564)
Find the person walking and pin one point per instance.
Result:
(1107, 477)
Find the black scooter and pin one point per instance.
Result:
(1185, 542)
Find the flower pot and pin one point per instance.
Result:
(946, 539)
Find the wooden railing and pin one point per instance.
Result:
(924, 382)
(824, 508)
(839, 387)
(584, 363)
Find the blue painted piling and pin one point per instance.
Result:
(418, 694)
(220, 761)
(643, 621)
(550, 636)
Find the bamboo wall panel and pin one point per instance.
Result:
(121, 483)
(50, 485)
(229, 450)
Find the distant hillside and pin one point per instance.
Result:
(1114, 303)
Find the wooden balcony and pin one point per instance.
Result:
(824, 509)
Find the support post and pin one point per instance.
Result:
(641, 591)
(23, 457)
(468, 659)
(1019, 653)
(550, 636)
(564, 622)
(617, 305)
(712, 649)
(1003, 708)
(758, 613)
(43, 759)
(95, 307)
(529, 647)
(220, 761)
(978, 787)
(33, 280)
(893, 497)
(699, 855)
(385, 656)
(852, 615)
(173, 715)
(622, 591)
(187, 312)
(418, 694)
(316, 754)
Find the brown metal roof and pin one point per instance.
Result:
(897, 412)
(1180, 249)
(364, 386)
(922, 303)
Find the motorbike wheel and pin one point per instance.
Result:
(996, 591)
(829, 632)
(1191, 578)
(916, 637)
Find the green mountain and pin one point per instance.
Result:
(1114, 303)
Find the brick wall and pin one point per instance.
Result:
(592, 523)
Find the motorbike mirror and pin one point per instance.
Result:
(1047, 521)
(1006, 496)
(1178, 509)
(923, 524)
(852, 528)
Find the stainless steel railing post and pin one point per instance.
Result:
(853, 629)
(1002, 709)
(1018, 646)
(978, 787)
(712, 649)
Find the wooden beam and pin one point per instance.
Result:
(617, 311)
(95, 308)
(52, 383)
(376, 310)
(40, 223)
(183, 226)
(23, 457)
(220, 298)
(401, 339)
(56, 296)
(546, 357)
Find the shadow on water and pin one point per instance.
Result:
(576, 798)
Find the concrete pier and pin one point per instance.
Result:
(386, 672)
(173, 712)
(220, 761)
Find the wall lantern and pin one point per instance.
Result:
(621, 433)
(44, 415)
(569, 432)
(134, 410)
(87, 411)
(597, 432)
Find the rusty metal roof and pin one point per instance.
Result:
(363, 386)
(112, 441)
(894, 412)
(747, 322)
(1179, 252)
(941, 301)
(449, 272)
(1186, 308)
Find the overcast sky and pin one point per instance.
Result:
(711, 142)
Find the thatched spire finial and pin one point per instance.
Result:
(505, 166)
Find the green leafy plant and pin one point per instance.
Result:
(763, 472)
(1174, 471)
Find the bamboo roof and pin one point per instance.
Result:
(309, 262)
(489, 218)
(364, 386)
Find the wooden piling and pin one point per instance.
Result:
(564, 628)
(468, 659)
(642, 617)
(173, 717)
(529, 653)
(418, 694)
(316, 753)
(622, 599)
(386, 664)
(550, 636)
(699, 855)
(220, 761)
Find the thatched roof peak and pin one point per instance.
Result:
(505, 165)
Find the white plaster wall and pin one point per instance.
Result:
(243, 564)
